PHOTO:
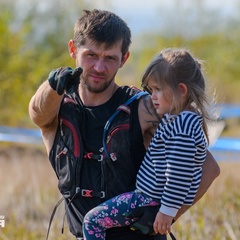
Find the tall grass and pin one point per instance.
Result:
(29, 192)
(217, 215)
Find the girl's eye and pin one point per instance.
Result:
(148, 89)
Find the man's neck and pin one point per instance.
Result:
(95, 99)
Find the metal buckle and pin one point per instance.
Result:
(100, 158)
(102, 194)
(113, 156)
(86, 193)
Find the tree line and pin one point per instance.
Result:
(34, 41)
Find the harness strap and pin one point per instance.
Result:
(90, 193)
(84, 193)
(52, 215)
(120, 108)
(172, 236)
(93, 156)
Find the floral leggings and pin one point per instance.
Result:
(111, 214)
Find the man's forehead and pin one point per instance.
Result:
(95, 46)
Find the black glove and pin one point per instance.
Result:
(66, 78)
(145, 218)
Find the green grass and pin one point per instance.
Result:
(29, 193)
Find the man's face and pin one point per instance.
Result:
(99, 64)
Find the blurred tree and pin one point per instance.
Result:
(210, 34)
(34, 36)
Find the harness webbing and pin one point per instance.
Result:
(107, 125)
(172, 236)
(52, 215)
(137, 96)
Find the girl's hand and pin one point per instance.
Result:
(162, 223)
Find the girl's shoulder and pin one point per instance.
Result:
(185, 123)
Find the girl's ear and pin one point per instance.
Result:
(183, 89)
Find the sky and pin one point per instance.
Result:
(146, 15)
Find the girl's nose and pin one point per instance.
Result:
(153, 95)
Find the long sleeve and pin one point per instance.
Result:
(172, 167)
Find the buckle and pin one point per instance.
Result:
(87, 193)
(91, 193)
(102, 194)
(113, 156)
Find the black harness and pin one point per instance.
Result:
(68, 153)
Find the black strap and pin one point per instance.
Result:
(55, 209)
(172, 236)
(52, 215)
(90, 193)
(137, 96)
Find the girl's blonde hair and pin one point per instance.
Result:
(174, 66)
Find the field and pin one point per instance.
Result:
(29, 192)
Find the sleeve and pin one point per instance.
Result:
(180, 152)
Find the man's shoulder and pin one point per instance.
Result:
(148, 118)
(129, 90)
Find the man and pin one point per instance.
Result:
(72, 108)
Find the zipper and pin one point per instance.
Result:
(116, 130)
(76, 142)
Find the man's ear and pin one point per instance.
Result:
(72, 49)
(125, 57)
(183, 89)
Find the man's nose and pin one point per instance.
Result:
(99, 65)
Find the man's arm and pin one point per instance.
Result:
(210, 171)
(44, 105)
(43, 111)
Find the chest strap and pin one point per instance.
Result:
(90, 193)
(137, 96)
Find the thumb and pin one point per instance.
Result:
(76, 73)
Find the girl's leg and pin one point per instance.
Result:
(107, 215)
(112, 214)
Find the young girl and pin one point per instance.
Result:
(170, 173)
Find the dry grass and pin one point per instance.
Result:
(29, 193)
(217, 214)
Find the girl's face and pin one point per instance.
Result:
(162, 98)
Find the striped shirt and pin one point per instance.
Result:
(172, 167)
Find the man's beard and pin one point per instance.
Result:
(96, 89)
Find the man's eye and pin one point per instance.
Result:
(110, 58)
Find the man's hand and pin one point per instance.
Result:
(65, 79)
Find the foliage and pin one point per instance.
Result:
(29, 50)
(219, 52)
(34, 37)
